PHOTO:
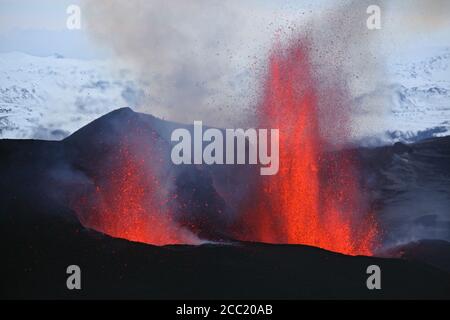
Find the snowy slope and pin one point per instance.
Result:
(419, 93)
(422, 98)
(51, 97)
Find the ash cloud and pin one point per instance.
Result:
(201, 59)
(346, 57)
(423, 15)
(185, 51)
(206, 59)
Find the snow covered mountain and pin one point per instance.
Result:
(422, 98)
(417, 96)
(51, 97)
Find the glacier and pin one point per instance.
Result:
(51, 97)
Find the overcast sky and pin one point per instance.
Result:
(39, 26)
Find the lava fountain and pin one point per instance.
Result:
(128, 200)
(315, 197)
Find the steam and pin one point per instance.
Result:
(200, 59)
(422, 15)
(204, 60)
(347, 59)
(189, 53)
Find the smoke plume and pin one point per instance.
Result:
(204, 60)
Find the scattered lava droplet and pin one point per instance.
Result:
(314, 199)
(129, 201)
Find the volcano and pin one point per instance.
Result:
(135, 192)
(57, 210)
(315, 199)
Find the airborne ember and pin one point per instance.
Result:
(308, 195)
(315, 198)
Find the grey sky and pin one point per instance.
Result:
(38, 26)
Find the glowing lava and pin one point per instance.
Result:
(314, 199)
(129, 201)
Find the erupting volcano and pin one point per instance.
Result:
(314, 199)
(131, 202)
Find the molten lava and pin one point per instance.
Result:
(130, 202)
(314, 199)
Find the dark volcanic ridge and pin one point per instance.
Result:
(37, 253)
(41, 233)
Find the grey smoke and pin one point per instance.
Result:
(205, 60)
(190, 52)
(420, 15)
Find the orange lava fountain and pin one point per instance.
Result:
(131, 203)
(314, 199)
